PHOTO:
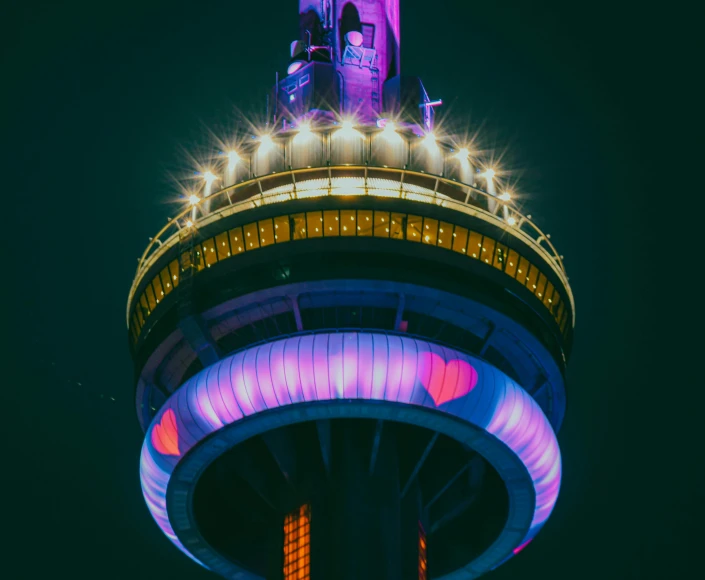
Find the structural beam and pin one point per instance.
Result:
(419, 464)
(375, 445)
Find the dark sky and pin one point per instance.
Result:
(97, 101)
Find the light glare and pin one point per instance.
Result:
(194, 199)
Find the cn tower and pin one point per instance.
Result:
(350, 345)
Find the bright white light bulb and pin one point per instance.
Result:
(189, 224)
(209, 177)
(348, 124)
(233, 159)
(266, 143)
(194, 199)
(511, 221)
(490, 173)
(463, 154)
(390, 127)
(505, 196)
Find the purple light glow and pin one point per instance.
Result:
(294, 66)
(338, 366)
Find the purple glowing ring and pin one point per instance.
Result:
(358, 375)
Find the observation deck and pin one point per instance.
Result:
(386, 225)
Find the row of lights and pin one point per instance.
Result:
(305, 132)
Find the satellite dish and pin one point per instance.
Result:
(354, 38)
(297, 47)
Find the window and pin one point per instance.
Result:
(555, 301)
(487, 255)
(414, 226)
(331, 223)
(209, 255)
(559, 312)
(158, 290)
(500, 256)
(548, 296)
(460, 240)
(396, 229)
(475, 245)
(381, 224)
(541, 285)
(512, 263)
(266, 232)
(222, 246)
(297, 544)
(145, 307)
(151, 299)
(282, 229)
(174, 272)
(349, 222)
(532, 278)
(445, 235)
(522, 270)
(166, 281)
(251, 236)
(236, 241)
(314, 224)
(299, 226)
(430, 231)
(364, 222)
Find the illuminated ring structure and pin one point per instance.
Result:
(350, 374)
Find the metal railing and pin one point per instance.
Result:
(524, 229)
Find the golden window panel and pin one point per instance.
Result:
(348, 222)
(475, 245)
(157, 286)
(331, 223)
(460, 240)
(266, 232)
(382, 223)
(282, 229)
(500, 256)
(414, 226)
(430, 231)
(299, 226)
(445, 235)
(396, 228)
(364, 222)
(237, 243)
(209, 255)
(174, 272)
(487, 254)
(314, 224)
(222, 245)
(512, 263)
(251, 237)
(167, 286)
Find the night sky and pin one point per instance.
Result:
(98, 103)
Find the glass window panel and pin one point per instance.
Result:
(209, 252)
(548, 296)
(314, 224)
(445, 235)
(299, 226)
(222, 246)
(348, 220)
(487, 250)
(564, 320)
(364, 222)
(512, 263)
(500, 256)
(198, 257)
(541, 285)
(282, 229)
(523, 270)
(382, 224)
(166, 281)
(331, 223)
(236, 241)
(555, 301)
(474, 245)
(158, 290)
(430, 231)
(251, 236)
(460, 240)
(414, 225)
(532, 278)
(144, 305)
(396, 229)
(174, 272)
(559, 312)
(151, 299)
(266, 232)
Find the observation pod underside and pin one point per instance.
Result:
(361, 375)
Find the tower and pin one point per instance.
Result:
(350, 345)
